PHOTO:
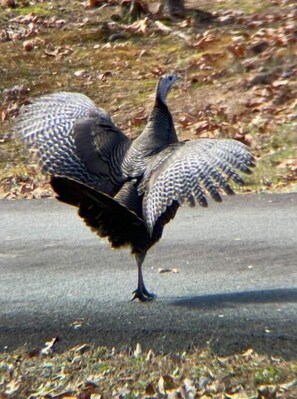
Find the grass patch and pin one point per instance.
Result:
(42, 9)
(249, 6)
(86, 372)
(267, 375)
(215, 60)
(280, 148)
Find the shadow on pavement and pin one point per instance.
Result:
(220, 301)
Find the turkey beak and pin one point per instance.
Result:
(177, 77)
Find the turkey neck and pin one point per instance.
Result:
(159, 131)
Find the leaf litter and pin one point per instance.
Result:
(240, 81)
(85, 372)
(239, 67)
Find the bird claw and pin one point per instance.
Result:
(143, 295)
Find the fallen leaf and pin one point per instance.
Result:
(200, 126)
(150, 355)
(166, 384)
(163, 270)
(104, 75)
(49, 345)
(250, 351)
(238, 395)
(162, 27)
(83, 348)
(76, 324)
(31, 44)
(149, 390)
(80, 73)
(203, 383)
(140, 26)
(238, 50)
(267, 392)
(12, 387)
(138, 350)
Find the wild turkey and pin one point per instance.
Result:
(127, 190)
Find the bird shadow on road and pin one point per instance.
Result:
(228, 300)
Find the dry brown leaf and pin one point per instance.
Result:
(138, 350)
(77, 324)
(49, 345)
(266, 392)
(206, 40)
(200, 126)
(238, 50)
(163, 28)
(103, 76)
(32, 44)
(248, 352)
(80, 73)
(139, 118)
(150, 355)
(66, 395)
(280, 83)
(149, 390)
(9, 3)
(187, 120)
(238, 395)
(189, 387)
(166, 384)
(290, 163)
(12, 387)
(94, 3)
(59, 52)
(162, 270)
(83, 348)
(4, 115)
(140, 26)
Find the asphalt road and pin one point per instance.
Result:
(236, 285)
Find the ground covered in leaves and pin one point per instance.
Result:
(88, 373)
(238, 61)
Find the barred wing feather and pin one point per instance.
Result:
(64, 128)
(186, 171)
(52, 116)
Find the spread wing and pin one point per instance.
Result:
(186, 171)
(74, 138)
(52, 117)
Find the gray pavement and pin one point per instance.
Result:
(235, 286)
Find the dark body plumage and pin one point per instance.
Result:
(127, 190)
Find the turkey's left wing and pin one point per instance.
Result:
(186, 171)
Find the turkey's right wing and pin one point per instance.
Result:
(183, 172)
(50, 118)
(62, 128)
(102, 147)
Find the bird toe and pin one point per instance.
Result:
(143, 295)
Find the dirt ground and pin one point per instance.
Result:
(237, 60)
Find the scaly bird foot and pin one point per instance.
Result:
(143, 295)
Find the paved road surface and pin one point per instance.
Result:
(236, 287)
